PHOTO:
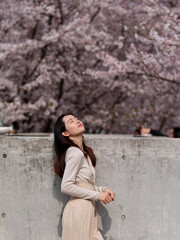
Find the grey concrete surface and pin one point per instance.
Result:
(143, 172)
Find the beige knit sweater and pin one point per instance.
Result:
(79, 170)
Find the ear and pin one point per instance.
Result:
(65, 134)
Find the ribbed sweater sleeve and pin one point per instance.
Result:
(99, 188)
(74, 160)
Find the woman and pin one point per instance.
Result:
(75, 164)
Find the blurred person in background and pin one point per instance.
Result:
(142, 131)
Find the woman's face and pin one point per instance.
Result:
(73, 125)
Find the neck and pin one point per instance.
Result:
(78, 140)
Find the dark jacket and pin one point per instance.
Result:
(157, 133)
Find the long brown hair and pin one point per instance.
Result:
(62, 143)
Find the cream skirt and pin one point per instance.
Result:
(79, 220)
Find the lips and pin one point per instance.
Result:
(80, 125)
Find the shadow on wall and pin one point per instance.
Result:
(63, 198)
(105, 219)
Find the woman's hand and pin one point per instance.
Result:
(105, 197)
(111, 193)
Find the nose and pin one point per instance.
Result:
(78, 121)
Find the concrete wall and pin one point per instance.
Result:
(143, 172)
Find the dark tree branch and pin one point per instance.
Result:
(95, 99)
(154, 76)
(95, 14)
(60, 11)
(43, 53)
(119, 99)
(96, 63)
(61, 85)
(34, 30)
(47, 125)
(50, 20)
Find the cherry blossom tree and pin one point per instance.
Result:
(114, 64)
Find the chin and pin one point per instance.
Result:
(83, 130)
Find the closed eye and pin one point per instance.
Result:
(72, 120)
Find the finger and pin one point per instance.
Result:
(108, 196)
(109, 199)
(110, 192)
(113, 196)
